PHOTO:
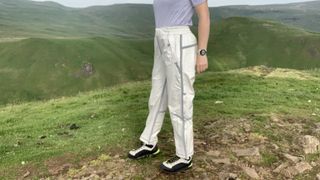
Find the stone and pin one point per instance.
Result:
(299, 168)
(254, 151)
(251, 172)
(213, 153)
(318, 176)
(303, 166)
(289, 172)
(218, 102)
(281, 167)
(292, 158)
(310, 144)
(228, 176)
(276, 147)
(274, 118)
(26, 174)
(221, 161)
(246, 127)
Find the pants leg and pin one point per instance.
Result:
(173, 77)
(181, 77)
(158, 99)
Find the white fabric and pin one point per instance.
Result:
(170, 89)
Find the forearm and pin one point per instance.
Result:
(203, 31)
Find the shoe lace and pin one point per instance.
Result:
(175, 158)
(141, 147)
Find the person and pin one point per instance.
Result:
(177, 57)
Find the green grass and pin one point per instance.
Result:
(24, 18)
(42, 68)
(116, 116)
(34, 69)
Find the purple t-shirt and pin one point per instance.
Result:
(174, 12)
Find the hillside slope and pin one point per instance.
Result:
(24, 18)
(263, 108)
(40, 68)
(36, 68)
(305, 15)
(240, 42)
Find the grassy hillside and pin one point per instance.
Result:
(24, 18)
(241, 42)
(40, 68)
(252, 107)
(44, 68)
(305, 15)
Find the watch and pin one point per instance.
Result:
(202, 52)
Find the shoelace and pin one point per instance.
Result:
(142, 145)
(175, 158)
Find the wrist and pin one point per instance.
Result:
(202, 52)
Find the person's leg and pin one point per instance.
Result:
(158, 97)
(181, 77)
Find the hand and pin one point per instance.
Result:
(202, 63)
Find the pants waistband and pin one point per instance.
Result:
(173, 30)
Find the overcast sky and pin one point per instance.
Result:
(86, 3)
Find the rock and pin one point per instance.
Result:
(274, 118)
(26, 174)
(251, 172)
(218, 102)
(232, 176)
(318, 176)
(240, 138)
(276, 147)
(310, 144)
(43, 137)
(199, 169)
(221, 161)
(74, 126)
(213, 153)
(303, 166)
(299, 168)
(257, 137)
(254, 151)
(87, 69)
(294, 159)
(317, 129)
(289, 172)
(246, 127)
(227, 176)
(281, 167)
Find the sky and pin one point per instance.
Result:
(212, 3)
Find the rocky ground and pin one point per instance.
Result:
(253, 147)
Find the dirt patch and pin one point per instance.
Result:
(60, 164)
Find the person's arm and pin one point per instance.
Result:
(203, 34)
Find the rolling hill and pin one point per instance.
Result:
(305, 15)
(41, 68)
(37, 68)
(24, 18)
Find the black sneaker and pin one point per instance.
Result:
(176, 164)
(145, 150)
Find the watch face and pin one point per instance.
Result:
(203, 52)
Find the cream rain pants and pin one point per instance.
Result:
(173, 76)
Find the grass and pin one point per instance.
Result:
(44, 68)
(115, 117)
